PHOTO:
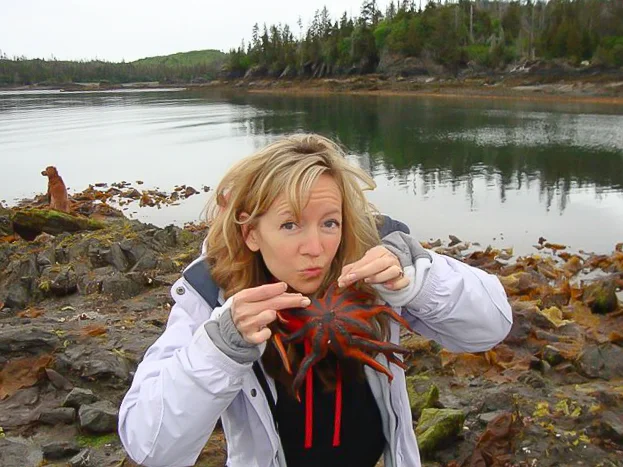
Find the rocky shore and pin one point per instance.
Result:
(82, 296)
(534, 80)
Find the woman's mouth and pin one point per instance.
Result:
(311, 272)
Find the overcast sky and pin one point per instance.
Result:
(130, 29)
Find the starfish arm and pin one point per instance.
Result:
(366, 359)
(277, 340)
(317, 354)
(300, 334)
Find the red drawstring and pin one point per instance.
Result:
(309, 401)
(337, 423)
(309, 404)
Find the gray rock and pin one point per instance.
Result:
(167, 236)
(20, 408)
(46, 258)
(82, 459)
(23, 267)
(100, 417)
(552, 355)
(601, 361)
(59, 280)
(16, 452)
(133, 249)
(95, 364)
(61, 415)
(27, 339)
(147, 262)
(115, 257)
(612, 426)
(97, 253)
(59, 449)
(91, 283)
(118, 287)
(488, 416)
(78, 397)
(58, 380)
(17, 296)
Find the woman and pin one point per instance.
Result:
(286, 223)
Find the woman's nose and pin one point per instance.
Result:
(312, 244)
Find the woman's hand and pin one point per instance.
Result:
(378, 266)
(253, 309)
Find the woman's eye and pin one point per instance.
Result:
(332, 223)
(288, 225)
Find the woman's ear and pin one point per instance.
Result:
(249, 234)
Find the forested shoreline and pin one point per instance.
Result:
(438, 39)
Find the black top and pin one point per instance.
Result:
(361, 436)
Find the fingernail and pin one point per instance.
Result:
(366, 280)
(351, 277)
(306, 301)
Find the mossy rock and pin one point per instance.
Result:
(436, 426)
(421, 399)
(29, 223)
(601, 296)
(6, 226)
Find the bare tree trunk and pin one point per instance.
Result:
(471, 22)
(531, 51)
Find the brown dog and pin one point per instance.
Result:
(57, 191)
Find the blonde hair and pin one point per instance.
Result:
(290, 165)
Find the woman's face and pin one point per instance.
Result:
(300, 251)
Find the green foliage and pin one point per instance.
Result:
(478, 53)
(610, 51)
(182, 67)
(184, 59)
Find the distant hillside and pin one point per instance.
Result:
(195, 57)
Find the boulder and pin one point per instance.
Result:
(60, 415)
(421, 398)
(79, 397)
(437, 426)
(601, 296)
(6, 224)
(601, 361)
(55, 450)
(29, 223)
(99, 417)
(16, 452)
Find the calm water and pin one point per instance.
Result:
(497, 172)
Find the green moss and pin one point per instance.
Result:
(48, 219)
(420, 400)
(436, 426)
(186, 237)
(96, 441)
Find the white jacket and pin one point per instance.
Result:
(184, 383)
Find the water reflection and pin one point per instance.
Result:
(448, 143)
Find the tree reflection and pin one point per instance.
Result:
(510, 145)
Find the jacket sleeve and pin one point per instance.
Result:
(182, 386)
(463, 308)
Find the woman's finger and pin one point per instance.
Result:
(260, 321)
(258, 337)
(397, 284)
(390, 274)
(368, 270)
